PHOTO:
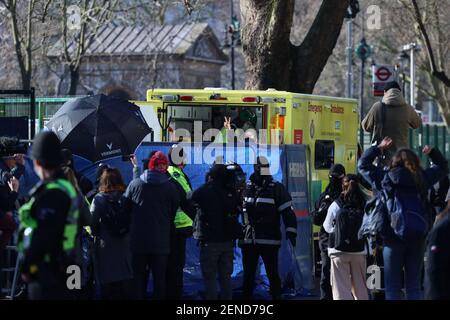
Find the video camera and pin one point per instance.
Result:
(11, 146)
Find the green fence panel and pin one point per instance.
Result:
(435, 135)
(46, 107)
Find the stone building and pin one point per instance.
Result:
(128, 61)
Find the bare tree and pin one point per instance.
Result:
(424, 21)
(271, 59)
(23, 24)
(436, 68)
(92, 15)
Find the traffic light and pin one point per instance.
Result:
(235, 30)
(363, 50)
(352, 9)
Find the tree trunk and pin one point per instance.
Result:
(272, 60)
(74, 80)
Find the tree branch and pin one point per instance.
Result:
(323, 34)
(438, 74)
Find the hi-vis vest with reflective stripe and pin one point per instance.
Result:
(182, 220)
(28, 223)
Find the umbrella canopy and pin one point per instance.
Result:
(99, 127)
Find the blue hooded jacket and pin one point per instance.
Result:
(387, 180)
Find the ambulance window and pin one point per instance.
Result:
(324, 154)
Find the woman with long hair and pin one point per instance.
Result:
(404, 181)
(330, 194)
(112, 256)
(348, 263)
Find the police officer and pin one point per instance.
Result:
(12, 167)
(183, 223)
(265, 202)
(49, 222)
(331, 193)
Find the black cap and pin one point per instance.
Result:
(217, 172)
(392, 85)
(337, 171)
(262, 162)
(47, 149)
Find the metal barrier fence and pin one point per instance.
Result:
(435, 135)
(23, 124)
(45, 107)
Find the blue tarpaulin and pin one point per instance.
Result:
(288, 165)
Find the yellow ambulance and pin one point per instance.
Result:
(327, 125)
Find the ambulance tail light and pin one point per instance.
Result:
(250, 99)
(186, 98)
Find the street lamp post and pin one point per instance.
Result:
(234, 29)
(403, 59)
(352, 11)
(363, 52)
(412, 48)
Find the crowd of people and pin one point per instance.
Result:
(404, 221)
(389, 213)
(118, 234)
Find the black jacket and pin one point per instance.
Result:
(320, 213)
(153, 201)
(185, 199)
(264, 205)
(8, 198)
(215, 204)
(50, 210)
(388, 180)
(112, 256)
(437, 267)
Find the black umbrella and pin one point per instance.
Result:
(99, 127)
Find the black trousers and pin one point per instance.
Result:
(142, 264)
(120, 290)
(250, 257)
(175, 266)
(325, 280)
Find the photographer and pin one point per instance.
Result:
(216, 227)
(12, 167)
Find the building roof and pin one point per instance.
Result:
(176, 39)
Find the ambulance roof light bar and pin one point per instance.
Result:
(251, 99)
(213, 89)
(217, 96)
(186, 98)
(169, 98)
(272, 99)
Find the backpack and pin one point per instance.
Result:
(347, 223)
(116, 219)
(375, 217)
(408, 214)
